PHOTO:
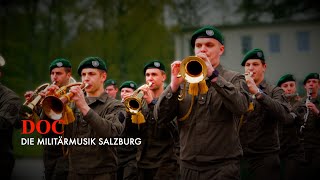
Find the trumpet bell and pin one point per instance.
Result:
(53, 107)
(193, 69)
(134, 102)
(134, 105)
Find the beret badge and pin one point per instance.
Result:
(59, 64)
(209, 32)
(95, 63)
(259, 54)
(156, 64)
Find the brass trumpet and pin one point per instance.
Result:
(194, 70)
(53, 105)
(134, 102)
(28, 106)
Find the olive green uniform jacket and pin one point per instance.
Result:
(105, 119)
(290, 144)
(9, 108)
(157, 147)
(259, 131)
(311, 133)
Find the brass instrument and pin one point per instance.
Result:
(134, 102)
(53, 105)
(194, 70)
(28, 106)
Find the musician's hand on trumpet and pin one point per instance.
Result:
(206, 60)
(253, 89)
(79, 99)
(28, 95)
(176, 79)
(50, 91)
(147, 92)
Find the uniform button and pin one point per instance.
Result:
(169, 95)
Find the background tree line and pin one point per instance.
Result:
(125, 33)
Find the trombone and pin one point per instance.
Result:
(53, 105)
(194, 70)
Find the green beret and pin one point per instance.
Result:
(253, 54)
(154, 64)
(59, 62)
(129, 84)
(110, 82)
(207, 32)
(310, 76)
(285, 78)
(92, 62)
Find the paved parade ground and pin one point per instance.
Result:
(28, 169)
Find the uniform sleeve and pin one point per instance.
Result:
(276, 104)
(9, 109)
(167, 105)
(110, 123)
(235, 98)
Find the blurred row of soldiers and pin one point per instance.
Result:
(229, 126)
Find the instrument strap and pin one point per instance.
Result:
(189, 111)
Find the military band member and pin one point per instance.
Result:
(155, 156)
(291, 149)
(9, 106)
(308, 111)
(55, 156)
(209, 142)
(99, 116)
(259, 131)
(127, 168)
(111, 88)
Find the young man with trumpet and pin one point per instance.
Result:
(98, 116)
(127, 167)
(259, 130)
(54, 156)
(9, 106)
(291, 150)
(309, 113)
(156, 154)
(209, 143)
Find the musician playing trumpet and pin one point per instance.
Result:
(259, 131)
(127, 167)
(308, 111)
(97, 116)
(207, 122)
(54, 156)
(156, 158)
